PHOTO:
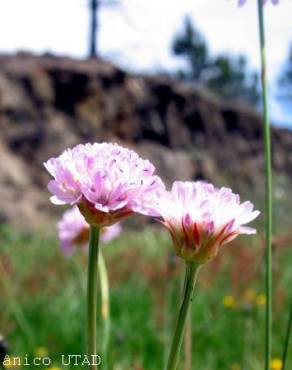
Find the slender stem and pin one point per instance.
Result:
(191, 276)
(173, 289)
(105, 307)
(92, 292)
(167, 319)
(188, 342)
(170, 282)
(268, 175)
(187, 336)
(287, 339)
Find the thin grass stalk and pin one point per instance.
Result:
(92, 293)
(105, 308)
(268, 188)
(187, 336)
(174, 289)
(188, 342)
(167, 320)
(171, 290)
(190, 280)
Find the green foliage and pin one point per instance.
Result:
(233, 81)
(192, 45)
(228, 76)
(42, 301)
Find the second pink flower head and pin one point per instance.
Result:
(73, 231)
(202, 218)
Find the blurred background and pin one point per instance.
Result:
(179, 83)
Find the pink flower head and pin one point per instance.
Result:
(73, 231)
(242, 2)
(201, 218)
(106, 181)
(110, 233)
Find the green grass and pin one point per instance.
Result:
(42, 301)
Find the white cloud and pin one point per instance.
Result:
(138, 33)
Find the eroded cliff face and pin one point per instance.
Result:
(48, 104)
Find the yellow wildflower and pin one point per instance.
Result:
(250, 295)
(41, 352)
(276, 364)
(229, 301)
(235, 366)
(261, 299)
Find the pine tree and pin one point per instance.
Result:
(227, 76)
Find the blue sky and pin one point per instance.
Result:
(137, 34)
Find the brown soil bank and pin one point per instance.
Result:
(48, 104)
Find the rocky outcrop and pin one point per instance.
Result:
(48, 104)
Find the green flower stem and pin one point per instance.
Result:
(190, 280)
(287, 339)
(171, 292)
(268, 176)
(188, 342)
(92, 292)
(105, 307)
